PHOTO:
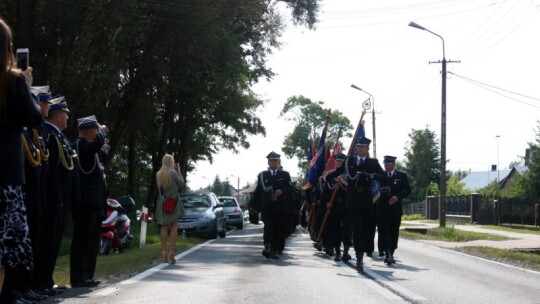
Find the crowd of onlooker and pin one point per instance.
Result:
(44, 177)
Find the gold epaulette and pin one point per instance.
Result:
(68, 165)
(32, 161)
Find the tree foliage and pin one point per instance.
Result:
(531, 178)
(309, 117)
(169, 76)
(455, 187)
(422, 161)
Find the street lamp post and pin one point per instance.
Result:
(497, 137)
(442, 180)
(372, 116)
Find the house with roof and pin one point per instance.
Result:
(477, 180)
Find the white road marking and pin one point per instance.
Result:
(105, 291)
(394, 286)
(371, 284)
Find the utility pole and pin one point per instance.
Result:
(442, 180)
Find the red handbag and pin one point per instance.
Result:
(169, 205)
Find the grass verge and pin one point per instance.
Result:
(451, 234)
(528, 260)
(118, 266)
(515, 228)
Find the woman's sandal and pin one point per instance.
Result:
(172, 258)
(165, 256)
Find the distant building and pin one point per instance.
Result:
(475, 181)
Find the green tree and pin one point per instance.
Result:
(455, 187)
(531, 178)
(169, 76)
(422, 161)
(310, 116)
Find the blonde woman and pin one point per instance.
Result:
(169, 182)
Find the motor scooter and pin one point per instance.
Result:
(115, 233)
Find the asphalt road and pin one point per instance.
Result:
(232, 270)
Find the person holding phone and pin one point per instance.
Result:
(17, 110)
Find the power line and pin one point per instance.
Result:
(488, 86)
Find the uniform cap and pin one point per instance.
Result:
(340, 156)
(59, 104)
(389, 159)
(89, 122)
(363, 141)
(42, 93)
(273, 155)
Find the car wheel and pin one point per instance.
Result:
(240, 226)
(214, 233)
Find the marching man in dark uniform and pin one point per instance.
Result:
(394, 187)
(338, 226)
(273, 186)
(93, 148)
(359, 170)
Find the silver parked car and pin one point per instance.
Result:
(204, 215)
(233, 212)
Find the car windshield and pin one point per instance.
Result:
(196, 201)
(228, 202)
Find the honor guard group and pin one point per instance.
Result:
(342, 212)
(63, 178)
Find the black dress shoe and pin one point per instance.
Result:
(85, 283)
(95, 282)
(369, 254)
(30, 296)
(381, 253)
(46, 291)
(346, 257)
(40, 296)
(266, 253)
(60, 287)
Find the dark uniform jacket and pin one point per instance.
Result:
(359, 185)
(91, 172)
(262, 199)
(61, 165)
(18, 111)
(32, 172)
(336, 179)
(398, 185)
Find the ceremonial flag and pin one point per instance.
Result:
(331, 162)
(318, 163)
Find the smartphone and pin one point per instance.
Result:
(23, 58)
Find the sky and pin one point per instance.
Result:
(493, 93)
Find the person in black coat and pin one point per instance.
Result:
(337, 226)
(35, 166)
(273, 187)
(394, 187)
(93, 148)
(359, 169)
(17, 110)
(59, 193)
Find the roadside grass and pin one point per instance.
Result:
(515, 228)
(117, 266)
(451, 234)
(409, 224)
(412, 217)
(529, 260)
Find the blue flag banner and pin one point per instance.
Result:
(318, 163)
